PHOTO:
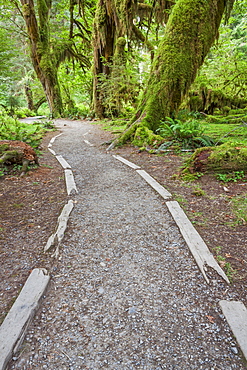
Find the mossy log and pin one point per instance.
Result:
(224, 158)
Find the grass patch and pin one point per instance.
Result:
(180, 199)
(116, 126)
(239, 209)
(223, 132)
(230, 177)
(114, 129)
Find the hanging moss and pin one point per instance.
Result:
(114, 20)
(209, 100)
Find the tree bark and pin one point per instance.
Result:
(29, 96)
(190, 32)
(44, 62)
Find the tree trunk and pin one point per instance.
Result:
(44, 62)
(29, 96)
(103, 41)
(190, 32)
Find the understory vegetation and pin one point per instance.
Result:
(13, 129)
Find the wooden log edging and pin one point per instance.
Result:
(56, 238)
(15, 324)
(194, 241)
(235, 313)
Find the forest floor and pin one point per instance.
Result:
(30, 205)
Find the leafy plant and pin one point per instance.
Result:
(239, 208)
(229, 270)
(24, 112)
(48, 124)
(190, 177)
(189, 133)
(230, 177)
(198, 191)
(180, 130)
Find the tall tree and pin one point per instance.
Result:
(55, 30)
(190, 32)
(44, 59)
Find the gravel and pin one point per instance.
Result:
(126, 294)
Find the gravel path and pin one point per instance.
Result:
(127, 294)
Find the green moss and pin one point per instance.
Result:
(228, 157)
(10, 155)
(145, 137)
(128, 133)
(187, 176)
(26, 10)
(3, 148)
(47, 65)
(224, 158)
(190, 31)
(43, 11)
(233, 119)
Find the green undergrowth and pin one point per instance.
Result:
(224, 132)
(239, 209)
(195, 133)
(145, 137)
(114, 126)
(189, 131)
(227, 267)
(231, 177)
(229, 119)
(12, 129)
(188, 134)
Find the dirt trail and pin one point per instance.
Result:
(125, 293)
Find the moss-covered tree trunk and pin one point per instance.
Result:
(29, 96)
(190, 32)
(44, 62)
(113, 22)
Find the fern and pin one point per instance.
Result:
(205, 140)
(188, 134)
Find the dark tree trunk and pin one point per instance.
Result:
(29, 96)
(43, 61)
